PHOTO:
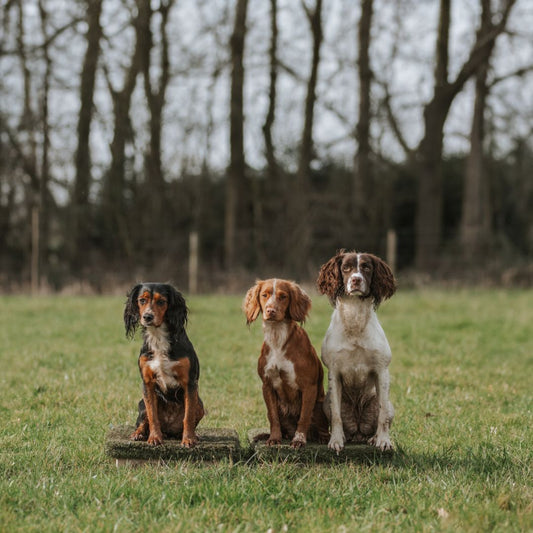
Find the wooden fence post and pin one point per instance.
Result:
(193, 262)
(34, 270)
(391, 249)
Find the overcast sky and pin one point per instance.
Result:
(199, 32)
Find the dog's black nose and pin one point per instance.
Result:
(148, 317)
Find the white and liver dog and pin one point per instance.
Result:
(356, 351)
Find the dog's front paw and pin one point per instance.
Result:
(273, 440)
(155, 439)
(189, 441)
(298, 440)
(138, 435)
(381, 442)
(336, 442)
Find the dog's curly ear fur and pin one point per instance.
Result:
(177, 312)
(300, 303)
(383, 284)
(329, 281)
(250, 304)
(131, 312)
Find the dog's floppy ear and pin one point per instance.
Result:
(329, 280)
(383, 284)
(131, 312)
(300, 303)
(250, 304)
(177, 312)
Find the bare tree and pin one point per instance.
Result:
(476, 216)
(269, 212)
(33, 119)
(113, 206)
(80, 197)
(236, 179)
(300, 240)
(427, 157)
(429, 151)
(28, 153)
(30, 140)
(272, 164)
(364, 203)
(45, 199)
(155, 94)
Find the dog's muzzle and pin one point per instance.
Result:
(147, 318)
(356, 283)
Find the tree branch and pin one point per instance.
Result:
(482, 48)
(519, 73)
(410, 152)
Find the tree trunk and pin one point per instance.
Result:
(28, 124)
(79, 233)
(365, 212)
(270, 211)
(429, 152)
(476, 219)
(156, 95)
(155, 191)
(300, 243)
(44, 193)
(272, 166)
(114, 208)
(429, 200)
(236, 179)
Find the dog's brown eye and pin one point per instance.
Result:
(282, 296)
(142, 301)
(161, 303)
(264, 295)
(366, 267)
(346, 268)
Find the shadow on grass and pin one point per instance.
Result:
(485, 458)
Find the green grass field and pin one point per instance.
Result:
(462, 382)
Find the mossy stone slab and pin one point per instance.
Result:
(214, 444)
(312, 452)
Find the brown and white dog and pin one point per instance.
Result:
(288, 366)
(356, 351)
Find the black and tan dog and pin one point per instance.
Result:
(169, 367)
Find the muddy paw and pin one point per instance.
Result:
(382, 443)
(155, 439)
(273, 441)
(298, 441)
(137, 436)
(189, 442)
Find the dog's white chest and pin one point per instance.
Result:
(278, 368)
(355, 345)
(160, 364)
(278, 365)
